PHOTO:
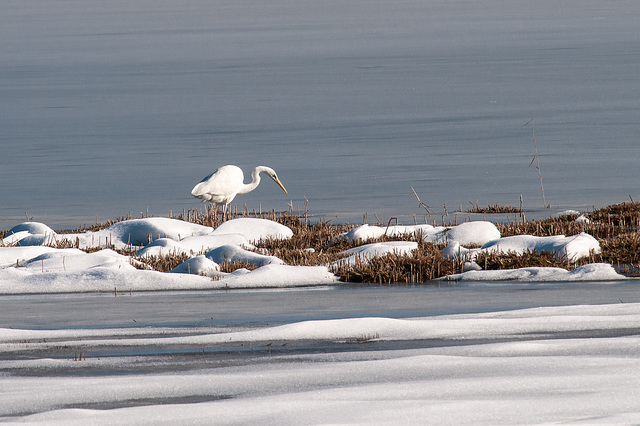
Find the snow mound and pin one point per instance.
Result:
(365, 232)
(192, 245)
(468, 233)
(473, 233)
(140, 232)
(368, 251)
(563, 248)
(29, 234)
(254, 230)
(199, 265)
(231, 254)
(17, 256)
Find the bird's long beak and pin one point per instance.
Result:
(280, 184)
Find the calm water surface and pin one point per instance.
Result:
(111, 107)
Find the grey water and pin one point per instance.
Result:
(111, 107)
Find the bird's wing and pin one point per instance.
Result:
(220, 186)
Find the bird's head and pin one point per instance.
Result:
(273, 175)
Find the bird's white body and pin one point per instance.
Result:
(222, 186)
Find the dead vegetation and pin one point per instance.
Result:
(493, 209)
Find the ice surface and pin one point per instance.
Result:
(533, 366)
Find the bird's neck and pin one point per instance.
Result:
(255, 181)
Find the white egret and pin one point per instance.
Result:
(222, 186)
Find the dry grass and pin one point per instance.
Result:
(427, 263)
(161, 263)
(496, 208)
(233, 266)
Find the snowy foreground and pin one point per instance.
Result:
(576, 364)
(29, 263)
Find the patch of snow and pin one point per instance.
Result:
(474, 233)
(139, 232)
(589, 272)
(29, 234)
(569, 212)
(582, 219)
(254, 230)
(572, 248)
(231, 254)
(467, 233)
(368, 251)
(192, 245)
(198, 265)
(366, 232)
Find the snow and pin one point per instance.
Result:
(590, 272)
(231, 254)
(467, 233)
(192, 245)
(366, 232)
(571, 248)
(254, 230)
(367, 251)
(531, 366)
(31, 263)
(492, 367)
(27, 265)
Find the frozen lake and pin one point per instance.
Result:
(518, 353)
(125, 105)
(239, 308)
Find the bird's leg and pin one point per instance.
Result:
(224, 212)
(210, 214)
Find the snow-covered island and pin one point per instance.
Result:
(33, 258)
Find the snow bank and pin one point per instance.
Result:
(590, 272)
(126, 278)
(277, 275)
